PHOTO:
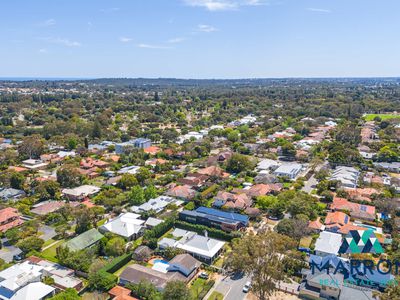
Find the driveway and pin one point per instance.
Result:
(47, 232)
(310, 184)
(8, 251)
(231, 287)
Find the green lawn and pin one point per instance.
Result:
(101, 222)
(118, 272)
(48, 242)
(216, 296)
(200, 288)
(370, 117)
(50, 253)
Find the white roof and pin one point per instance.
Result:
(83, 190)
(19, 275)
(125, 225)
(328, 242)
(290, 168)
(153, 221)
(193, 243)
(266, 164)
(129, 170)
(66, 153)
(33, 291)
(156, 204)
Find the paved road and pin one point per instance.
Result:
(232, 287)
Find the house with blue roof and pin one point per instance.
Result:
(211, 217)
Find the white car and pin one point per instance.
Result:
(246, 287)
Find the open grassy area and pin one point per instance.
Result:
(48, 242)
(216, 296)
(305, 241)
(371, 117)
(118, 272)
(50, 253)
(200, 288)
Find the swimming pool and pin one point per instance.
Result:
(161, 261)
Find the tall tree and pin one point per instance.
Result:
(176, 290)
(261, 257)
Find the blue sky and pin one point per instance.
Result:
(199, 38)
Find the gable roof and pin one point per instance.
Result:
(125, 225)
(84, 240)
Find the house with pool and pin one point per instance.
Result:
(182, 267)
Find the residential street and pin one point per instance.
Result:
(231, 287)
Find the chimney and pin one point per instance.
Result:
(206, 233)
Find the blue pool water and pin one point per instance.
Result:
(161, 261)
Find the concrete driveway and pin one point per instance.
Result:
(8, 251)
(310, 184)
(47, 232)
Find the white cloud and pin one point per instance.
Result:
(176, 40)
(206, 28)
(48, 23)
(219, 5)
(320, 10)
(109, 10)
(125, 39)
(149, 46)
(43, 50)
(64, 42)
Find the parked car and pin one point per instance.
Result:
(203, 275)
(247, 287)
(18, 257)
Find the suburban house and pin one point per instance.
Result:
(183, 192)
(390, 167)
(201, 247)
(194, 180)
(63, 277)
(46, 207)
(141, 143)
(23, 281)
(127, 225)
(334, 221)
(348, 176)
(232, 201)
(328, 243)
(288, 170)
(226, 221)
(357, 211)
(34, 164)
(80, 192)
(182, 267)
(84, 240)
(9, 218)
(120, 293)
(157, 204)
(268, 165)
(129, 170)
(152, 222)
(8, 194)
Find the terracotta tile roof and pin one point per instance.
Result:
(316, 224)
(213, 171)
(337, 217)
(10, 217)
(356, 210)
(17, 169)
(152, 150)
